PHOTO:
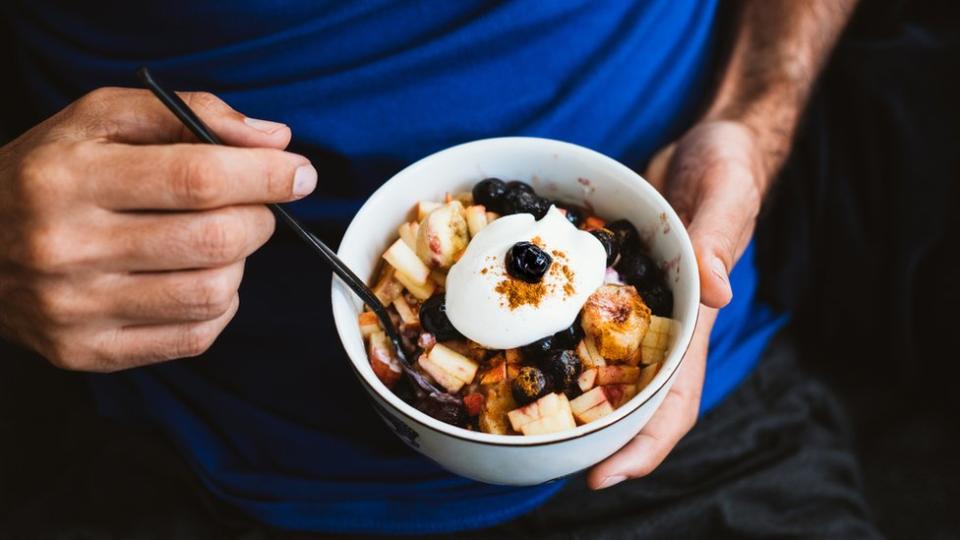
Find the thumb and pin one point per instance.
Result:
(719, 229)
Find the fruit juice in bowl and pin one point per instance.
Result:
(548, 286)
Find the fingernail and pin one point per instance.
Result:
(612, 481)
(265, 126)
(719, 269)
(304, 180)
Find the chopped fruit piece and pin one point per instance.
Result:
(442, 236)
(401, 257)
(617, 319)
(408, 233)
(593, 222)
(512, 355)
(473, 403)
(382, 359)
(590, 415)
(559, 420)
(543, 407)
(453, 363)
(588, 400)
(388, 288)
(476, 219)
(490, 192)
(647, 373)
(498, 401)
(587, 350)
(420, 291)
(438, 277)
(426, 340)
(465, 198)
(512, 371)
(369, 323)
(425, 207)
(443, 378)
(657, 340)
(496, 373)
(492, 216)
(587, 379)
(636, 358)
(407, 313)
(618, 394)
(617, 375)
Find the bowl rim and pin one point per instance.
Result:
(409, 412)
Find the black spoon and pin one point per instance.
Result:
(193, 122)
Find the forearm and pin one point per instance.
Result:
(779, 48)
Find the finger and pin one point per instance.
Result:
(719, 230)
(174, 297)
(136, 116)
(182, 176)
(672, 420)
(187, 240)
(134, 346)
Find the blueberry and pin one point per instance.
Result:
(658, 298)
(562, 368)
(527, 262)
(569, 338)
(538, 348)
(516, 185)
(491, 193)
(433, 319)
(626, 234)
(529, 385)
(522, 202)
(610, 244)
(637, 269)
(573, 213)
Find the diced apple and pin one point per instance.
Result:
(465, 198)
(425, 207)
(492, 216)
(385, 365)
(589, 356)
(473, 402)
(559, 420)
(588, 400)
(647, 373)
(418, 290)
(476, 219)
(369, 323)
(552, 403)
(618, 394)
(408, 233)
(498, 401)
(407, 313)
(587, 379)
(453, 362)
(405, 261)
(617, 375)
(442, 376)
(545, 406)
(442, 236)
(387, 288)
(590, 415)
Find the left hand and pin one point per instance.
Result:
(714, 178)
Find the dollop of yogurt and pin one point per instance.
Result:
(497, 311)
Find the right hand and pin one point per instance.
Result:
(122, 242)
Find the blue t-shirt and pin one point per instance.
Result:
(368, 87)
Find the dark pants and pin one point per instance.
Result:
(774, 460)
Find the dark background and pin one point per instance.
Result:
(859, 239)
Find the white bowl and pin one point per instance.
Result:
(557, 170)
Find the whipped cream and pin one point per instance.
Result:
(497, 311)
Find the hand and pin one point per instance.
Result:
(713, 176)
(120, 245)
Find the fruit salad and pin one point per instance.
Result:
(538, 314)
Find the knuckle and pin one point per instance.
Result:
(219, 239)
(198, 182)
(42, 250)
(194, 341)
(65, 354)
(213, 296)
